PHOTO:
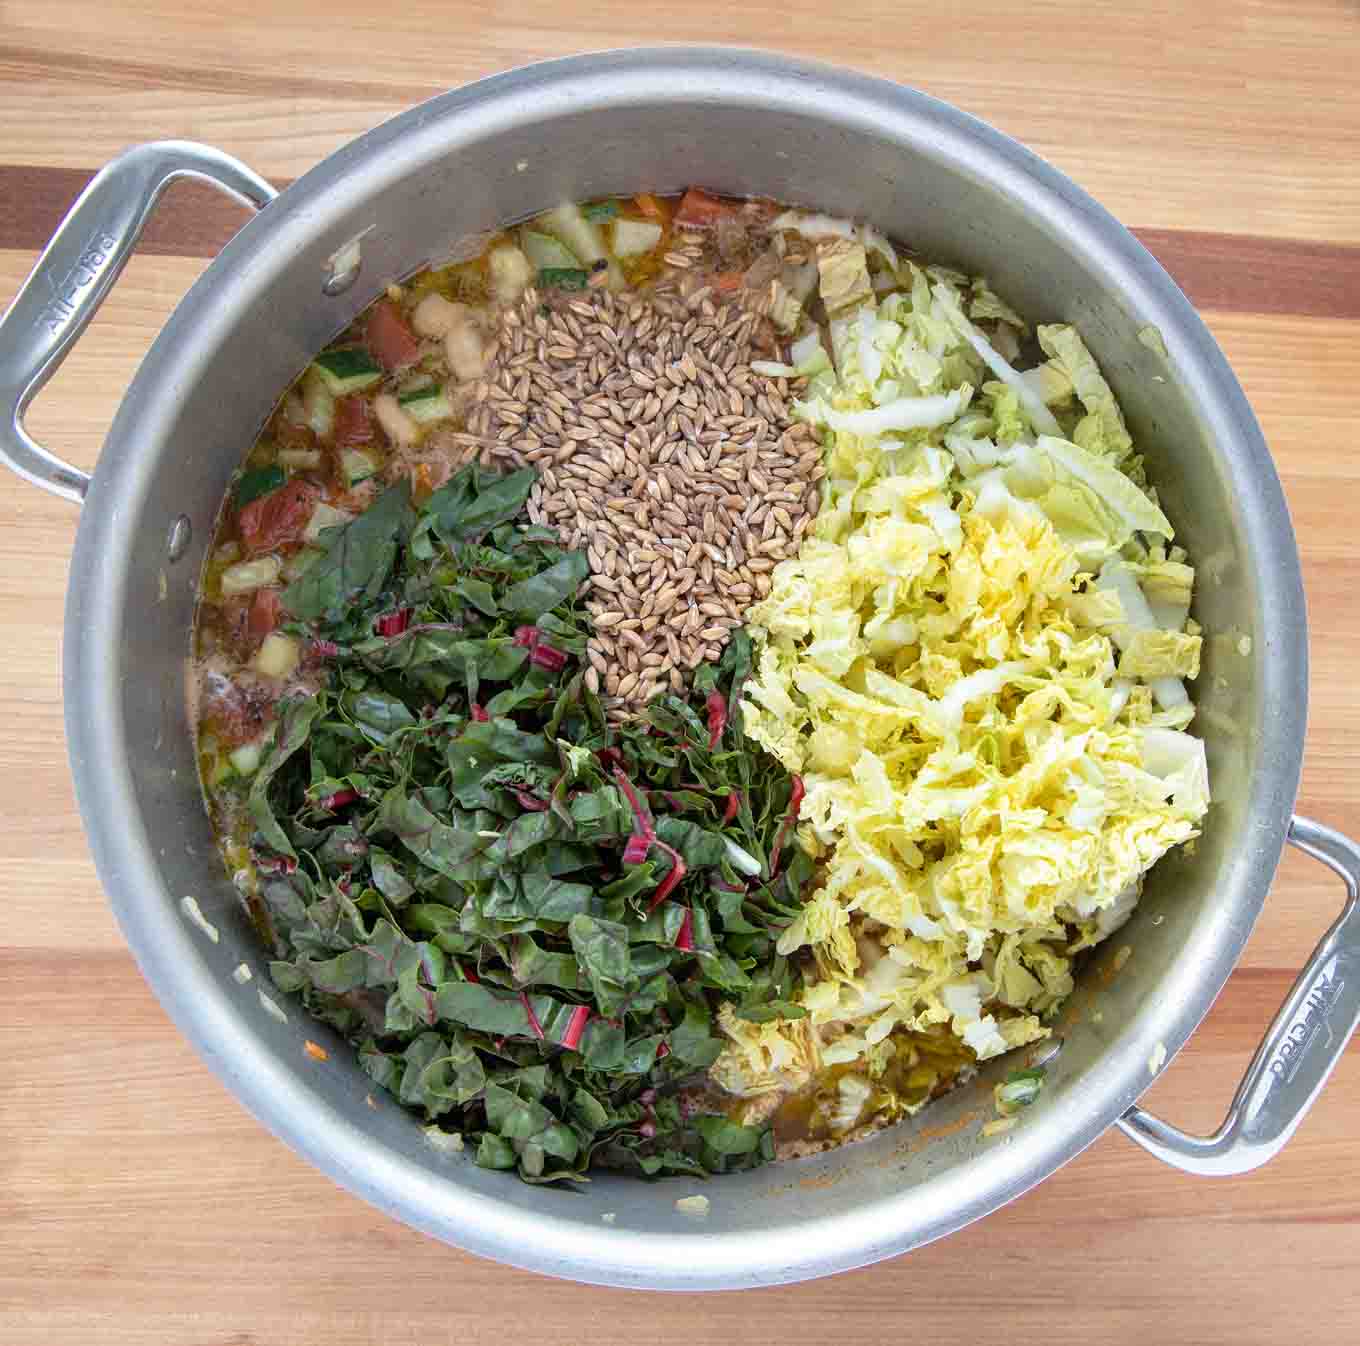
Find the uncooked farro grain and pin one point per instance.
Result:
(680, 470)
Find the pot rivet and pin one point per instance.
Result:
(177, 542)
(343, 266)
(340, 281)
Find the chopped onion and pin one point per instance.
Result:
(247, 576)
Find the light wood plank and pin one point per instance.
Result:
(138, 1202)
(1219, 115)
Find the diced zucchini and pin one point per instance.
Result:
(349, 370)
(510, 271)
(581, 235)
(246, 576)
(423, 406)
(324, 516)
(631, 238)
(358, 466)
(563, 278)
(600, 210)
(246, 758)
(318, 402)
(256, 483)
(279, 656)
(545, 251)
(299, 460)
(299, 561)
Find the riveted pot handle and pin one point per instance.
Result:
(76, 272)
(1299, 1051)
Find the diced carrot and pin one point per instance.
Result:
(727, 281)
(265, 613)
(353, 425)
(649, 205)
(390, 339)
(278, 517)
(700, 210)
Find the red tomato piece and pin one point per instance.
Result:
(352, 423)
(390, 339)
(266, 612)
(700, 210)
(278, 517)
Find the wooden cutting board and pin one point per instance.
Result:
(138, 1203)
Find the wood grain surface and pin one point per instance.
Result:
(139, 1204)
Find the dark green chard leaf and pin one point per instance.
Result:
(295, 722)
(357, 559)
(434, 843)
(727, 1137)
(473, 503)
(387, 876)
(532, 597)
(440, 839)
(601, 948)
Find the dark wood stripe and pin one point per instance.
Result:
(192, 219)
(1232, 273)
(1243, 273)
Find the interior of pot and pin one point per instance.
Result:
(498, 151)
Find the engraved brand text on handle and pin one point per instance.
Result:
(1311, 1020)
(66, 292)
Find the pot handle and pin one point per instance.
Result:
(75, 273)
(1299, 1050)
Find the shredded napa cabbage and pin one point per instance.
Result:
(977, 664)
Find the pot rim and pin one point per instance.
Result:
(689, 1259)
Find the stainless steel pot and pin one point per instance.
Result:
(501, 149)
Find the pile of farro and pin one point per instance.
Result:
(679, 470)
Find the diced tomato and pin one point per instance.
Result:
(266, 612)
(278, 517)
(390, 339)
(727, 281)
(352, 423)
(699, 210)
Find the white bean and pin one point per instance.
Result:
(463, 347)
(511, 272)
(399, 426)
(434, 316)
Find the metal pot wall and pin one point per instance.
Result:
(498, 150)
